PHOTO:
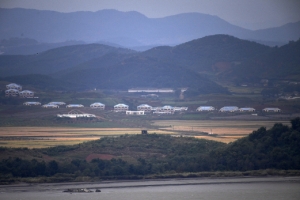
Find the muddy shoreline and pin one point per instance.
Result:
(43, 187)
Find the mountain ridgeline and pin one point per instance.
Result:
(195, 64)
(129, 29)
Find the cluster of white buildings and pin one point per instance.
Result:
(141, 109)
(14, 90)
(76, 114)
(145, 108)
(235, 109)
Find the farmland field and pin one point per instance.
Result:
(223, 131)
(39, 137)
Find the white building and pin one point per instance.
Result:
(164, 110)
(144, 107)
(271, 110)
(98, 105)
(57, 103)
(247, 110)
(74, 106)
(229, 109)
(151, 90)
(205, 108)
(76, 114)
(32, 103)
(180, 109)
(155, 108)
(50, 106)
(26, 94)
(129, 112)
(121, 107)
(11, 92)
(150, 95)
(72, 116)
(14, 86)
(167, 108)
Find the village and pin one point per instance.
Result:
(15, 90)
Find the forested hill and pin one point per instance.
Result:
(203, 53)
(221, 57)
(55, 60)
(140, 155)
(276, 148)
(276, 63)
(141, 71)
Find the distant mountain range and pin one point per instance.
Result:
(128, 29)
(195, 64)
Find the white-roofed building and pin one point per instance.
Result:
(32, 103)
(50, 106)
(180, 109)
(12, 92)
(164, 110)
(26, 94)
(130, 112)
(229, 109)
(14, 86)
(205, 108)
(271, 110)
(121, 107)
(74, 106)
(167, 108)
(155, 108)
(76, 114)
(83, 115)
(151, 90)
(144, 107)
(98, 105)
(247, 110)
(57, 103)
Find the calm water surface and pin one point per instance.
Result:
(287, 188)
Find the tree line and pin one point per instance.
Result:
(276, 148)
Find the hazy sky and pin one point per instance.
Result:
(252, 14)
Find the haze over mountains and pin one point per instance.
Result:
(128, 29)
(196, 64)
(187, 50)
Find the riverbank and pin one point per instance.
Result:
(61, 179)
(46, 187)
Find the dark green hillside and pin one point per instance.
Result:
(224, 58)
(43, 82)
(54, 60)
(106, 60)
(140, 71)
(276, 148)
(278, 63)
(203, 53)
(135, 156)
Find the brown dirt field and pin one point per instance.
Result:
(100, 156)
(41, 137)
(227, 139)
(221, 127)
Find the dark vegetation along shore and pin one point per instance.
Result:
(264, 152)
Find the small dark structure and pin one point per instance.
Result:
(144, 132)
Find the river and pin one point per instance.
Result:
(266, 188)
